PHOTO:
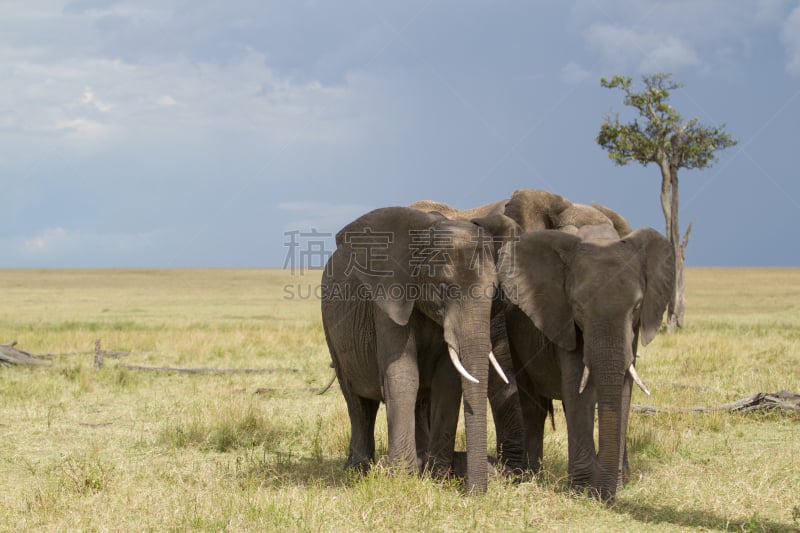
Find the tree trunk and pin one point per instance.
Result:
(676, 308)
(665, 199)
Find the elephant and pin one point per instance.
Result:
(547, 361)
(503, 395)
(520, 449)
(406, 301)
(534, 209)
(577, 306)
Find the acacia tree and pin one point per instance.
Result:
(669, 142)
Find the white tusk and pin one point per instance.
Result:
(584, 379)
(497, 367)
(459, 366)
(638, 380)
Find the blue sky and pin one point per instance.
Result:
(173, 133)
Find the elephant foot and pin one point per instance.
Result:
(390, 467)
(596, 493)
(510, 465)
(604, 495)
(580, 485)
(359, 467)
(439, 470)
(515, 474)
(459, 468)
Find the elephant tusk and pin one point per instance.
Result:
(497, 367)
(459, 366)
(584, 379)
(637, 379)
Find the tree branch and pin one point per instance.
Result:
(686, 235)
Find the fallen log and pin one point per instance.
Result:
(178, 370)
(783, 400)
(12, 356)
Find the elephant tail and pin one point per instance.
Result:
(549, 410)
(324, 389)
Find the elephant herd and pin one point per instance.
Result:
(521, 302)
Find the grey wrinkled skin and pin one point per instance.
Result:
(503, 398)
(580, 295)
(393, 347)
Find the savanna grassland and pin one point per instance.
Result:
(85, 448)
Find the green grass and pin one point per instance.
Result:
(113, 449)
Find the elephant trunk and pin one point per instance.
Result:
(614, 402)
(610, 358)
(469, 337)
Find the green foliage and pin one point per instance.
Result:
(663, 137)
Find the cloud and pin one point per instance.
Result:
(623, 47)
(83, 130)
(696, 21)
(771, 11)
(668, 55)
(57, 241)
(572, 73)
(713, 36)
(790, 36)
(90, 98)
(49, 239)
(166, 100)
(330, 218)
(86, 99)
(310, 230)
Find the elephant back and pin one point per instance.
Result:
(466, 215)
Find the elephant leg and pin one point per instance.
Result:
(626, 467)
(504, 401)
(362, 412)
(535, 408)
(397, 363)
(400, 389)
(422, 425)
(445, 406)
(508, 424)
(579, 412)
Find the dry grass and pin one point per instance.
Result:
(111, 449)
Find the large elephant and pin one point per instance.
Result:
(607, 291)
(534, 209)
(520, 445)
(580, 299)
(503, 394)
(404, 289)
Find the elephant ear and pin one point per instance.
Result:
(499, 228)
(432, 206)
(533, 209)
(579, 215)
(620, 224)
(659, 272)
(378, 249)
(533, 274)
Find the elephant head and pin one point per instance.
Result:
(595, 299)
(534, 209)
(407, 261)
